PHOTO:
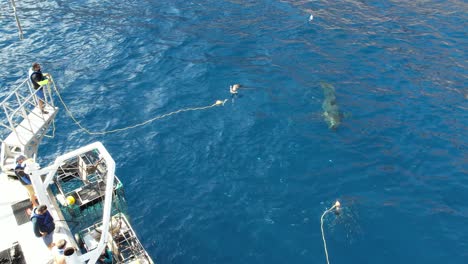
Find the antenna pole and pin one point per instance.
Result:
(18, 24)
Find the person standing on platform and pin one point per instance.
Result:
(24, 178)
(38, 80)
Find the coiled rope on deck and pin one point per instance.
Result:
(217, 103)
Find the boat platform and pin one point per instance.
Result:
(17, 229)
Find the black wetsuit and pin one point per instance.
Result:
(36, 77)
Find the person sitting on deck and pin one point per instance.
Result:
(106, 257)
(38, 80)
(43, 225)
(24, 178)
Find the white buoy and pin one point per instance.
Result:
(311, 17)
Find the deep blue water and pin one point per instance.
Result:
(248, 182)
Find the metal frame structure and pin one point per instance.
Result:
(26, 123)
(44, 198)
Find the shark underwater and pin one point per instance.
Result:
(331, 111)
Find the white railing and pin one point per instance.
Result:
(51, 171)
(21, 101)
(24, 121)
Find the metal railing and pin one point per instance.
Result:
(20, 103)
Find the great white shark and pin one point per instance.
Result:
(331, 111)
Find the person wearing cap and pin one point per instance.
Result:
(24, 178)
(59, 256)
(38, 79)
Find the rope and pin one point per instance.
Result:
(217, 103)
(337, 206)
(53, 120)
(53, 130)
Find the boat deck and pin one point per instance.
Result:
(34, 249)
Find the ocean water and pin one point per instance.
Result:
(247, 182)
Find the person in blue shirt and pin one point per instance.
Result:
(24, 178)
(43, 225)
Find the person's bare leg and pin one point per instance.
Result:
(33, 201)
(51, 246)
(42, 107)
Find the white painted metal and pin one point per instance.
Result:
(28, 125)
(33, 248)
(44, 198)
(25, 122)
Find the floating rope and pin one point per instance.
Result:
(337, 207)
(20, 30)
(217, 103)
(53, 130)
(50, 92)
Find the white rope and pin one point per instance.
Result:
(217, 103)
(336, 205)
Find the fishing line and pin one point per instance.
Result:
(217, 103)
(337, 207)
